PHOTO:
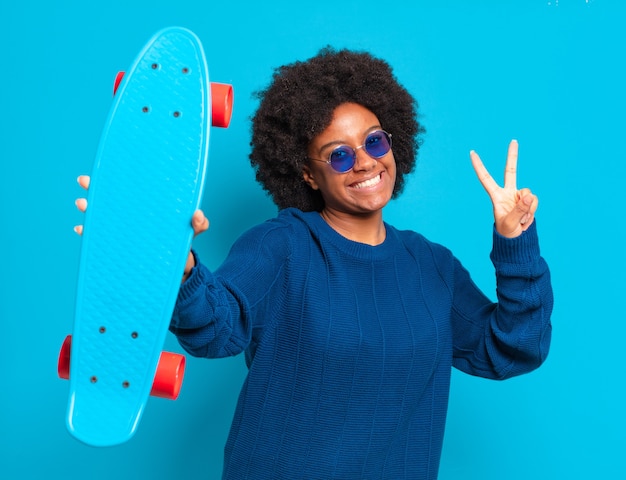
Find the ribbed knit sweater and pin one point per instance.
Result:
(350, 346)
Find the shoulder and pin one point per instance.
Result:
(418, 244)
(287, 222)
(287, 229)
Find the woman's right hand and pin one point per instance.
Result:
(199, 223)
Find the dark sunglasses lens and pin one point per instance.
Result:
(377, 144)
(342, 159)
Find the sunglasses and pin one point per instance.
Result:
(342, 159)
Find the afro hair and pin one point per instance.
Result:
(299, 104)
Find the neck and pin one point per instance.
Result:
(367, 229)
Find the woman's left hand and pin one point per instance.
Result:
(513, 209)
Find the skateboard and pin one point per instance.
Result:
(146, 183)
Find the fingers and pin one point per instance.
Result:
(510, 170)
(523, 208)
(487, 181)
(199, 223)
(514, 210)
(81, 204)
(521, 217)
(527, 206)
(83, 181)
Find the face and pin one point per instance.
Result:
(365, 189)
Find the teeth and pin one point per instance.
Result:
(368, 183)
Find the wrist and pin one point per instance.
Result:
(189, 266)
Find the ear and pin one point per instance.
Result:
(307, 175)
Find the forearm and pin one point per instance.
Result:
(512, 336)
(209, 318)
(521, 326)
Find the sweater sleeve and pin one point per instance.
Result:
(510, 337)
(217, 313)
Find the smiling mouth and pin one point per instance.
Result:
(369, 183)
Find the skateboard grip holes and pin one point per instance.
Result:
(126, 384)
(102, 329)
(134, 335)
(185, 70)
(93, 379)
(177, 114)
(145, 109)
(155, 66)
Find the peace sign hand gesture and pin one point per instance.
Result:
(513, 209)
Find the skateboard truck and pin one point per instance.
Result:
(168, 378)
(221, 101)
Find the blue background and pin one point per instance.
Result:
(549, 73)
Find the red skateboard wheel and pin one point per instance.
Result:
(169, 376)
(63, 367)
(221, 104)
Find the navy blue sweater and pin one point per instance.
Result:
(350, 347)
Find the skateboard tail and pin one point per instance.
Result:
(101, 431)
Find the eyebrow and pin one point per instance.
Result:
(342, 142)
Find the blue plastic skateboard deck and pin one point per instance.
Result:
(145, 186)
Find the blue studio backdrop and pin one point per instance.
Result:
(549, 73)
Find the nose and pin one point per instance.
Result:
(363, 162)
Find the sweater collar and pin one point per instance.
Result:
(327, 236)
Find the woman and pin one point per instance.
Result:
(350, 327)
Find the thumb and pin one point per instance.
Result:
(527, 204)
(199, 223)
(520, 218)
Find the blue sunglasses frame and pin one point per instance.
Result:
(377, 144)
